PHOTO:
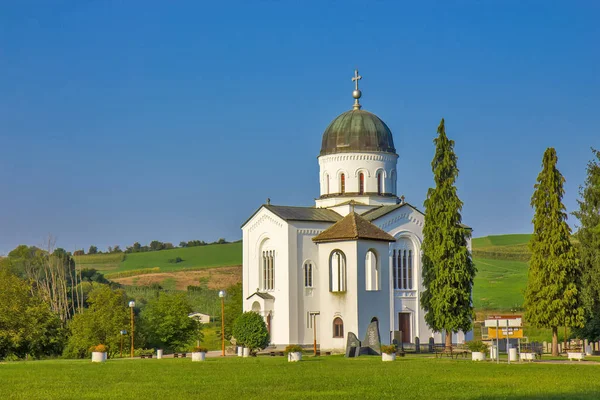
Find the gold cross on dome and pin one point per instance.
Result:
(356, 78)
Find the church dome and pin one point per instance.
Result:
(357, 131)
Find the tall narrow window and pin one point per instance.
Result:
(342, 184)
(379, 184)
(264, 270)
(338, 327)
(404, 270)
(337, 272)
(308, 275)
(399, 269)
(394, 269)
(410, 270)
(326, 184)
(361, 183)
(268, 270)
(371, 271)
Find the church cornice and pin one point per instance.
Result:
(404, 216)
(356, 194)
(265, 217)
(309, 232)
(357, 157)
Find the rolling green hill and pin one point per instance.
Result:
(501, 262)
(216, 255)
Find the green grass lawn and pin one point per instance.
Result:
(217, 255)
(275, 378)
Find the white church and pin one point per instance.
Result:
(321, 272)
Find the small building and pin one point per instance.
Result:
(202, 318)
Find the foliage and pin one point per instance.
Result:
(166, 323)
(27, 326)
(477, 346)
(251, 331)
(552, 295)
(588, 236)
(389, 349)
(199, 349)
(143, 352)
(448, 271)
(99, 348)
(93, 250)
(102, 322)
(293, 348)
(233, 307)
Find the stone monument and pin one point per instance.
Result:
(352, 345)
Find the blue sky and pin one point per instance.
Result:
(134, 121)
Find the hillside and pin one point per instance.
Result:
(501, 262)
(199, 257)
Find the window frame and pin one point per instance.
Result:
(338, 328)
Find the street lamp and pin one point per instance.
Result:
(131, 306)
(123, 333)
(222, 296)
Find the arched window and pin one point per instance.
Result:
(338, 327)
(361, 183)
(337, 271)
(308, 275)
(268, 269)
(326, 185)
(371, 271)
(402, 260)
(342, 183)
(379, 183)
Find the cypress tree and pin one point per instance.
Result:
(552, 295)
(588, 236)
(448, 270)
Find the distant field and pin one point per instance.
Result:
(501, 240)
(499, 284)
(217, 255)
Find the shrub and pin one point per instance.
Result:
(391, 349)
(199, 349)
(100, 348)
(143, 352)
(251, 331)
(477, 346)
(293, 348)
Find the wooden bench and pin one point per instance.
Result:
(178, 355)
(441, 350)
(535, 348)
(146, 356)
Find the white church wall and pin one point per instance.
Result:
(338, 304)
(373, 303)
(306, 300)
(267, 230)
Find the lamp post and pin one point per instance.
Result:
(123, 333)
(222, 296)
(131, 306)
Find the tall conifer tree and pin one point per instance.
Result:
(552, 295)
(588, 236)
(448, 270)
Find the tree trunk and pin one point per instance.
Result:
(554, 341)
(448, 340)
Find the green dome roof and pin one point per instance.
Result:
(357, 131)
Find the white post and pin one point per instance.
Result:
(507, 342)
(497, 342)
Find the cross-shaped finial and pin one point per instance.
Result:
(356, 78)
(357, 93)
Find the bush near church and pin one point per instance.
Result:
(251, 331)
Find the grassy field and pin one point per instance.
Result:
(274, 378)
(217, 255)
(499, 284)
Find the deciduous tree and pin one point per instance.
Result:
(251, 331)
(448, 270)
(552, 295)
(166, 323)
